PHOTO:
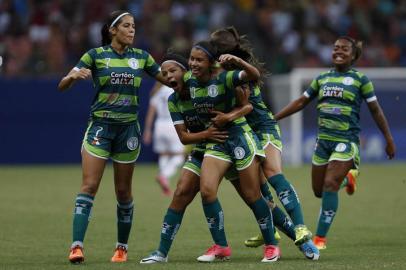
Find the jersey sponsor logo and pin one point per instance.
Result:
(334, 110)
(348, 81)
(340, 147)
(332, 91)
(192, 121)
(239, 152)
(132, 143)
(122, 78)
(203, 107)
(212, 90)
(133, 63)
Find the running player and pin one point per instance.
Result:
(113, 131)
(339, 94)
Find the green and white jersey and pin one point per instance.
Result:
(216, 94)
(117, 79)
(261, 118)
(183, 112)
(339, 98)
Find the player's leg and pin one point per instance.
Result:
(95, 151)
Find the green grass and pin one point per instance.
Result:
(36, 204)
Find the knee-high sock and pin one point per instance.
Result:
(329, 206)
(288, 197)
(264, 218)
(81, 217)
(170, 226)
(215, 220)
(124, 222)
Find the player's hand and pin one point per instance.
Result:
(216, 135)
(229, 59)
(82, 74)
(390, 149)
(147, 137)
(220, 120)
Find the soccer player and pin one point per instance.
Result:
(266, 128)
(190, 131)
(212, 91)
(339, 94)
(165, 140)
(113, 131)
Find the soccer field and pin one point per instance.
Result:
(36, 215)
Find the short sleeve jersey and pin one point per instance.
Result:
(217, 94)
(117, 79)
(160, 102)
(339, 97)
(260, 117)
(183, 112)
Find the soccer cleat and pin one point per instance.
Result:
(164, 183)
(215, 252)
(309, 250)
(303, 234)
(120, 255)
(271, 253)
(76, 255)
(320, 242)
(258, 240)
(351, 186)
(155, 257)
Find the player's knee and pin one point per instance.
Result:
(331, 185)
(184, 195)
(250, 196)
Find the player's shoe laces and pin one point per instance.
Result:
(320, 242)
(76, 255)
(351, 186)
(155, 257)
(258, 240)
(120, 254)
(215, 252)
(271, 253)
(309, 250)
(303, 234)
(164, 183)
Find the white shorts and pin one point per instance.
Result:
(166, 139)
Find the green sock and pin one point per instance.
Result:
(266, 193)
(170, 227)
(283, 223)
(329, 206)
(81, 217)
(264, 219)
(288, 197)
(344, 183)
(215, 220)
(124, 222)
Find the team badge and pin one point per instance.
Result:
(341, 147)
(132, 143)
(239, 152)
(133, 63)
(348, 81)
(212, 90)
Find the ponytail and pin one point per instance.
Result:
(113, 20)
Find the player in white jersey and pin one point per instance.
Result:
(165, 140)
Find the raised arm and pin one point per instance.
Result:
(249, 73)
(382, 123)
(74, 75)
(293, 107)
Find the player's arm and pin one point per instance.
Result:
(382, 123)
(149, 120)
(74, 75)
(243, 107)
(293, 107)
(249, 72)
(210, 134)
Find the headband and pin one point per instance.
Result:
(205, 50)
(118, 18)
(176, 62)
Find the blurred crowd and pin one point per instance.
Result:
(47, 37)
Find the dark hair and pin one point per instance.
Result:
(209, 48)
(171, 56)
(356, 47)
(228, 40)
(105, 31)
